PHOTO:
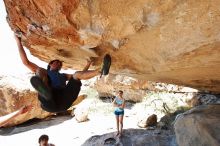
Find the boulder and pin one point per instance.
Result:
(16, 93)
(149, 122)
(133, 89)
(164, 41)
(134, 137)
(199, 126)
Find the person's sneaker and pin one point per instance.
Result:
(41, 88)
(106, 65)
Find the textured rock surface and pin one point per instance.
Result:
(134, 90)
(149, 121)
(199, 126)
(17, 95)
(168, 41)
(15, 92)
(203, 99)
(131, 137)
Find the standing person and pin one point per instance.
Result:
(119, 104)
(43, 140)
(53, 92)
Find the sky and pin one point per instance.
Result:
(10, 60)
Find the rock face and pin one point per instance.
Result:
(199, 126)
(17, 95)
(134, 137)
(203, 99)
(16, 92)
(133, 89)
(167, 41)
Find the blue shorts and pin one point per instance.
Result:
(117, 112)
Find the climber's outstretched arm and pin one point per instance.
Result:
(33, 67)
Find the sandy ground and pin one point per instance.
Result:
(62, 130)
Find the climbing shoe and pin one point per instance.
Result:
(41, 88)
(106, 65)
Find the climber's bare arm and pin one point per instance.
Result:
(33, 67)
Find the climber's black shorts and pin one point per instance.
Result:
(62, 98)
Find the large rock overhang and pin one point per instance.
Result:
(166, 41)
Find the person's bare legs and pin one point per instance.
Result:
(121, 124)
(117, 123)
